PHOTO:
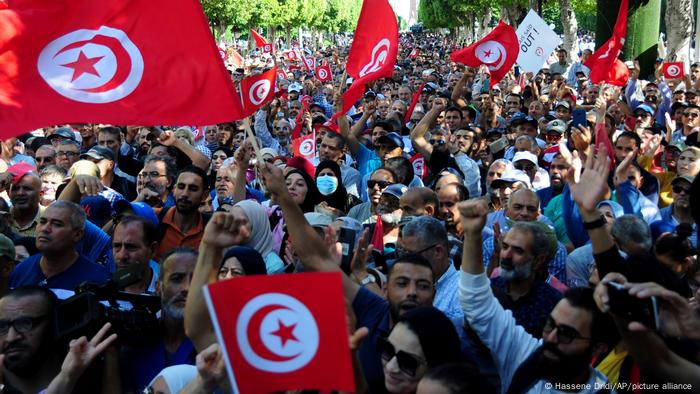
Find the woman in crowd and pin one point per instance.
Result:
(335, 199)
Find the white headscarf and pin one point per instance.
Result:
(177, 376)
(261, 236)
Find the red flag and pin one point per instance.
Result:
(260, 41)
(236, 59)
(414, 101)
(110, 62)
(414, 54)
(374, 49)
(291, 55)
(604, 64)
(674, 70)
(282, 332)
(323, 73)
(309, 62)
(498, 51)
(281, 74)
(419, 166)
(378, 235)
(257, 90)
(304, 146)
(223, 53)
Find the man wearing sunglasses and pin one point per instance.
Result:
(679, 211)
(574, 332)
(690, 121)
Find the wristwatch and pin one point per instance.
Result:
(367, 280)
(600, 222)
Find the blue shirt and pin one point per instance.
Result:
(144, 363)
(28, 272)
(372, 312)
(447, 294)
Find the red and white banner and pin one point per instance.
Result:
(414, 54)
(223, 53)
(282, 332)
(83, 61)
(497, 51)
(260, 41)
(305, 146)
(309, 63)
(323, 73)
(291, 55)
(374, 49)
(604, 63)
(257, 90)
(674, 70)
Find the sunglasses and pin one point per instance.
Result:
(680, 189)
(408, 363)
(691, 114)
(565, 334)
(382, 184)
(552, 137)
(439, 142)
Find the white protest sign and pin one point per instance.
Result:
(537, 41)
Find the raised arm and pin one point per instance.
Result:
(420, 144)
(198, 158)
(459, 88)
(242, 157)
(223, 230)
(308, 245)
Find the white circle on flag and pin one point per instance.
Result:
(259, 91)
(380, 52)
(92, 66)
(673, 70)
(491, 53)
(322, 73)
(306, 148)
(277, 333)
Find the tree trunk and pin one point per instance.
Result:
(534, 5)
(568, 20)
(483, 26)
(679, 28)
(511, 12)
(469, 28)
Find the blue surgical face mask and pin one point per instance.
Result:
(327, 184)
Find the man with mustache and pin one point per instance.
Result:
(134, 243)
(25, 193)
(59, 265)
(155, 180)
(574, 332)
(183, 224)
(140, 365)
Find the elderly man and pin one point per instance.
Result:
(45, 156)
(25, 194)
(59, 265)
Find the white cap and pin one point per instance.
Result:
(525, 156)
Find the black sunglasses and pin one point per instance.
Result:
(565, 334)
(680, 189)
(439, 142)
(408, 363)
(382, 184)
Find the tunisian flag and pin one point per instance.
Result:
(374, 49)
(498, 51)
(323, 73)
(604, 64)
(114, 62)
(257, 90)
(282, 332)
(305, 146)
(261, 42)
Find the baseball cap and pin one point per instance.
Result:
(557, 125)
(644, 107)
(687, 178)
(521, 118)
(97, 209)
(65, 132)
(138, 208)
(397, 190)
(564, 104)
(317, 219)
(392, 138)
(99, 153)
(19, 170)
(7, 248)
(370, 94)
(680, 145)
(512, 176)
(294, 87)
(525, 156)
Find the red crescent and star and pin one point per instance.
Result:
(82, 65)
(284, 332)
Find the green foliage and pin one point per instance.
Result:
(586, 14)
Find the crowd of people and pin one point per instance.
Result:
(490, 225)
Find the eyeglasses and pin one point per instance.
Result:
(691, 114)
(21, 324)
(408, 363)
(152, 174)
(402, 252)
(552, 137)
(565, 334)
(680, 189)
(524, 167)
(382, 184)
(66, 154)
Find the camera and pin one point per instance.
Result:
(133, 316)
(645, 311)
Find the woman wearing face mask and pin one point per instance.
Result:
(334, 197)
(423, 338)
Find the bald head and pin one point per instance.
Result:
(523, 206)
(419, 201)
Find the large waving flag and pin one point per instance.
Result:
(111, 61)
(260, 41)
(257, 90)
(374, 49)
(604, 63)
(498, 51)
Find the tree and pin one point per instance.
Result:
(570, 25)
(679, 29)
